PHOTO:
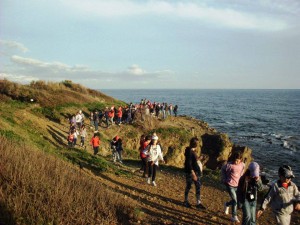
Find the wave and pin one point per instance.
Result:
(289, 146)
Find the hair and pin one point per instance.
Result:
(237, 155)
(194, 142)
(148, 138)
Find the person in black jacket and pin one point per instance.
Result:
(192, 172)
(249, 184)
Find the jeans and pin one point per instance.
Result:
(233, 202)
(249, 213)
(189, 182)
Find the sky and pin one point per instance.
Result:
(125, 44)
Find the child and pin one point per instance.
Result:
(155, 154)
(83, 134)
(143, 155)
(117, 148)
(231, 174)
(282, 195)
(95, 142)
(248, 186)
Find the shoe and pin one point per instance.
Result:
(226, 209)
(148, 181)
(200, 206)
(187, 204)
(153, 183)
(235, 219)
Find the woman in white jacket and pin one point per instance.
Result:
(154, 155)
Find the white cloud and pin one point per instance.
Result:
(136, 70)
(28, 69)
(227, 15)
(13, 45)
(17, 77)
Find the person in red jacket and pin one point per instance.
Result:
(111, 115)
(120, 114)
(95, 142)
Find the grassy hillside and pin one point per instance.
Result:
(42, 181)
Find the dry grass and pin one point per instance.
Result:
(36, 188)
(51, 94)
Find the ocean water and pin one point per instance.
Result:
(268, 121)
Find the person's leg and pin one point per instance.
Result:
(96, 149)
(74, 141)
(120, 156)
(154, 172)
(283, 219)
(197, 187)
(246, 213)
(189, 181)
(150, 171)
(253, 213)
(232, 193)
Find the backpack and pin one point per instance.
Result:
(71, 137)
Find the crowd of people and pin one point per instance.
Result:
(128, 113)
(241, 183)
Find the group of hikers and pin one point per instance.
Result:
(241, 183)
(128, 113)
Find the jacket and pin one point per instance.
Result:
(281, 199)
(247, 190)
(231, 173)
(155, 154)
(190, 162)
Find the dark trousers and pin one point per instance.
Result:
(189, 182)
(144, 166)
(96, 150)
(152, 170)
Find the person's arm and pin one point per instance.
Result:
(224, 173)
(297, 199)
(269, 196)
(259, 184)
(160, 156)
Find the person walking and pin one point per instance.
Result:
(95, 142)
(231, 174)
(283, 196)
(192, 173)
(143, 154)
(175, 110)
(154, 153)
(83, 135)
(249, 184)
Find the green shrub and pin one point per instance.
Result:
(11, 135)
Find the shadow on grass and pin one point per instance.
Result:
(6, 216)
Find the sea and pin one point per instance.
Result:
(267, 121)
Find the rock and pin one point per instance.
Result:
(217, 149)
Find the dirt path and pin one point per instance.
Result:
(164, 204)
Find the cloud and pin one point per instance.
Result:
(25, 70)
(13, 45)
(136, 70)
(227, 15)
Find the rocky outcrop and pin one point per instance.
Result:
(217, 149)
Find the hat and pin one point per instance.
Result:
(286, 171)
(116, 138)
(254, 169)
(154, 137)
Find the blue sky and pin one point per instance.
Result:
(152, 44)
